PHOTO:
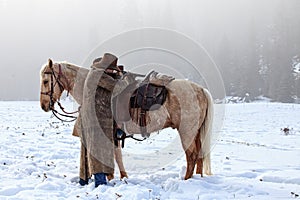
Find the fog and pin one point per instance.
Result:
(33, 31)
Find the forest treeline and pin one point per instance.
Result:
(266, 60)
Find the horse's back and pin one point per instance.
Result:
(189, 101)
(186, 89)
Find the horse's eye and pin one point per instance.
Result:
(46, 82)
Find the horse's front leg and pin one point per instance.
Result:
(119, 160)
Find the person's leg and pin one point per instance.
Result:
(83, 174)
(100, 179)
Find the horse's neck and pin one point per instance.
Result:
(76, 77)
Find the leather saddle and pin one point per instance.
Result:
(141, 96)
(148, 94)
(148, 97)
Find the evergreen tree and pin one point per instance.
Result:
(279, 77)
(252, 81)
(226, 61)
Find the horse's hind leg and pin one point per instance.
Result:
(199, 169)
(191, 158)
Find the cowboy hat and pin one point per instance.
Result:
(108, 61)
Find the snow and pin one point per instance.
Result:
(252, 158)
(297, 68)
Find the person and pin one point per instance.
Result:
(96, 119)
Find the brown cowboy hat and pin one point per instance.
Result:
(97, 60)
(107, 61)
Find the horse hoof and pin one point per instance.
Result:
(110, 177)
(124, 175)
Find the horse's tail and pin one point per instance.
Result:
(206, 132)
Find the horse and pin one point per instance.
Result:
(188, 108)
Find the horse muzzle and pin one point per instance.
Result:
(46, 107)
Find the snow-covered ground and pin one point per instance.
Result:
(252, 158)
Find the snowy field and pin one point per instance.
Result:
(252, 158)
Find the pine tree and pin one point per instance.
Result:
(226, 61)
(279, 56)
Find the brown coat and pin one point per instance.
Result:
(95, 125)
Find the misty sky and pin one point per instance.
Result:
(33, 31)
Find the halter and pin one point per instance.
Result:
(51, 92)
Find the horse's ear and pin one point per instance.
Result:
(50, 63)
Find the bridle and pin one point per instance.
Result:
(50, 93)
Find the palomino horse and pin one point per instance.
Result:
(188, 108)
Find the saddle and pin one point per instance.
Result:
(140, 97)
(148, 97)
(151, 93)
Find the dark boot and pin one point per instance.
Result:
(100, 179)
(83, 182)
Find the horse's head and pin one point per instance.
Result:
(51, 85)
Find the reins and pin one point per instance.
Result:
(67, 114)
(57, 114)
(57, 78)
